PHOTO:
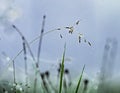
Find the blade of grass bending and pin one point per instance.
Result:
(62, 70)
(14, 70)
(79, 82)
(26, 42)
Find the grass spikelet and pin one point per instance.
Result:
(89, 43)
(77, 22)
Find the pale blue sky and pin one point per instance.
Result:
(99, 20)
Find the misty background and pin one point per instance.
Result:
(99, 20)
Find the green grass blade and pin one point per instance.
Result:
(62, 70)
(77, 88)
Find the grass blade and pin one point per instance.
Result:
(62, 70)
(77, 88)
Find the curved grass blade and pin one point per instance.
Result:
(62, 70)
(79, 82)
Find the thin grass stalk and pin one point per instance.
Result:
(32, 41)
(62, 70)
(22, 36)
(38, 55)
(65, 85)
(26, 67)
(47, 74)
(79, 82)
(45, 85)
(50, 83)
(40, 40)
(14, 77)
(25, 43)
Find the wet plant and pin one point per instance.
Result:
(46, 85)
